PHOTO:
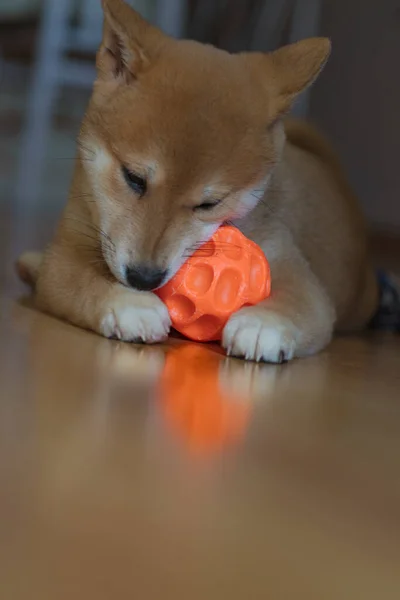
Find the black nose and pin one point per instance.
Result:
(144, 278)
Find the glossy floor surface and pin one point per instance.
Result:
(172, 472)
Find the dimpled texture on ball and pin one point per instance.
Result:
(227, 272)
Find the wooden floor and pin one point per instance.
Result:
(172, 472)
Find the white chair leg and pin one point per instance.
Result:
(43, 91)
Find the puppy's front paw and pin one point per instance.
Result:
(259, 334)
(136, 317)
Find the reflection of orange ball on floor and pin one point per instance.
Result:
(195, 404)
(226, 273)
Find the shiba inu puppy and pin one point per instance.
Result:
(178, 138)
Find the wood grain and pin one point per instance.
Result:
(103, 494)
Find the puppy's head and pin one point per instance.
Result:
(180, 137)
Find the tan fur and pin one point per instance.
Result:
(202, 125)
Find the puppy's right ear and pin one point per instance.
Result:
(129, 43)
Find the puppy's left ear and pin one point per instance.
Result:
(290, 70)
(129, 43)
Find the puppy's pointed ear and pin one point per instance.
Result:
(129, 43)
(291, 69)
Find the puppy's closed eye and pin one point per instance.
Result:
(137, 183)
(207, 205)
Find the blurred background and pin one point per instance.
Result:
(47, 50)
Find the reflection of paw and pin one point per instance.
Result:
(136, 317)
(248, 379)
(259, 334)
(140, 364)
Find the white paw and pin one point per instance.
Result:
(258, 334)
(136, 317)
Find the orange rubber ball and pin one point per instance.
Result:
(227, 272)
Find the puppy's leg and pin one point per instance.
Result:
(296, 320)
(75, 290)
(365, 303)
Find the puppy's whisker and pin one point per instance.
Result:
(95, 247)
(84, 195)
(208, 247)
(94, 228)
(87, 198)
(85, 235)
(97, 262)
(84, 148)
(73, 158)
